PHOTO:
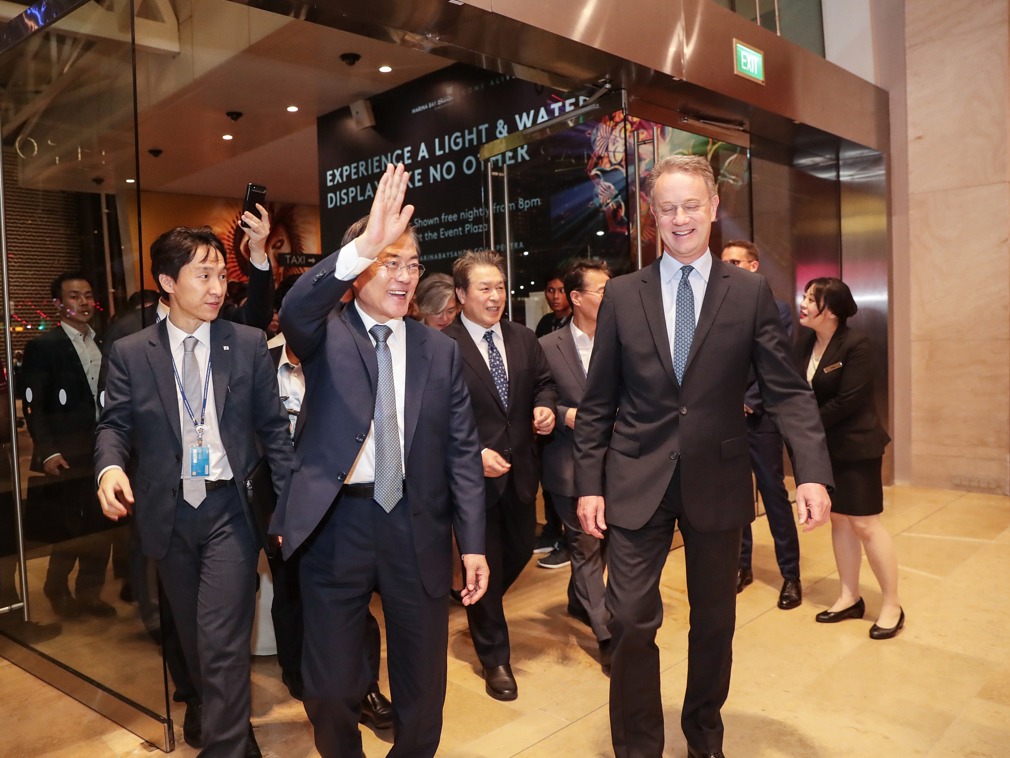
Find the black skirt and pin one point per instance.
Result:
(859, 490)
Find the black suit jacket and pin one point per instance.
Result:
(509, 432)
(445, 487)
(58, 404)
(637, 423)
(142, 414)
(843, 385)
(570, 380)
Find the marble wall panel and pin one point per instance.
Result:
(928, 20)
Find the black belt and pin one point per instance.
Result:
(364, 490)
(219, 483)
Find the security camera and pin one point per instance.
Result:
(155, 152)
(98, 181)
(234, 115)
(350, 58)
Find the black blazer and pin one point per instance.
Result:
(637, 423)
(843, 385)
(509, 432)
(58, 404)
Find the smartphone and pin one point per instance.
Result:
(254, 193)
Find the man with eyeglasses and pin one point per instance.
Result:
(765, 445)
(661, 444)
(386, 467)
(568, 352)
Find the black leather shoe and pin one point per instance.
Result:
(65, 606)
(606, 654)
(376, 711)
(743, 578)
(791, 594)
(499, 682)
(880, 633)
(252, 750)
(692, 753)
(192, 724)
(854, 611)
(97, 607)
(293, 681)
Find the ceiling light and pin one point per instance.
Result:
(292, 109)
(227, 137)
(131, 181)
(600, 233)
(385, 69)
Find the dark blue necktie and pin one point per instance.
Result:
(388, 464)
(684, 328)
(501, 379)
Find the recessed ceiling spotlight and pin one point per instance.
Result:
(227, 137)
(385, 69)
(131, 181)
(292, 109)
(600, 233)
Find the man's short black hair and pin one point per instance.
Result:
(56, 288)
(575, 276)
(177, 248)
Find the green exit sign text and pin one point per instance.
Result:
(748, 62)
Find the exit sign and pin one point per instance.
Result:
(748, 62)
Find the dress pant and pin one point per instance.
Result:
(765, 445)
(87, 538)
(510, 532)
(635, 560)
(359, 549)
(209, 578)
(588, 555)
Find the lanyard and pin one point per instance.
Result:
(185, 401)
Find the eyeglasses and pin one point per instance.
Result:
(690, 208)
(393, 268)
(592, 292)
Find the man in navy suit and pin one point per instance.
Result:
(193, 399)
(568, 352)
(513, 400)
(661, 443)
(765, 444)
(386, 468)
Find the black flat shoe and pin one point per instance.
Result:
(854, 611)
(880, 633)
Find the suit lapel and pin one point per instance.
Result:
(418, 365)
(221, 337)
(566, 345)
(356, 327)
(715, 294)
(159, 357)
(473, 359)
(655, 319)
(830, 352)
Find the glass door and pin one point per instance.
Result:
(78, 603)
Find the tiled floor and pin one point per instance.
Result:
(800, 689)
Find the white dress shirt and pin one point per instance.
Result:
(219, 466)
(669, 272)
(349, 265)
(291, 385)
(583, 345)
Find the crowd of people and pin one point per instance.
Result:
(408, 427)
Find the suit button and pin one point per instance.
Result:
(508, 424)
(674, 456)
(178, 459)
(683, 411)
(341, 476)
(360, 438)
(174, 492)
